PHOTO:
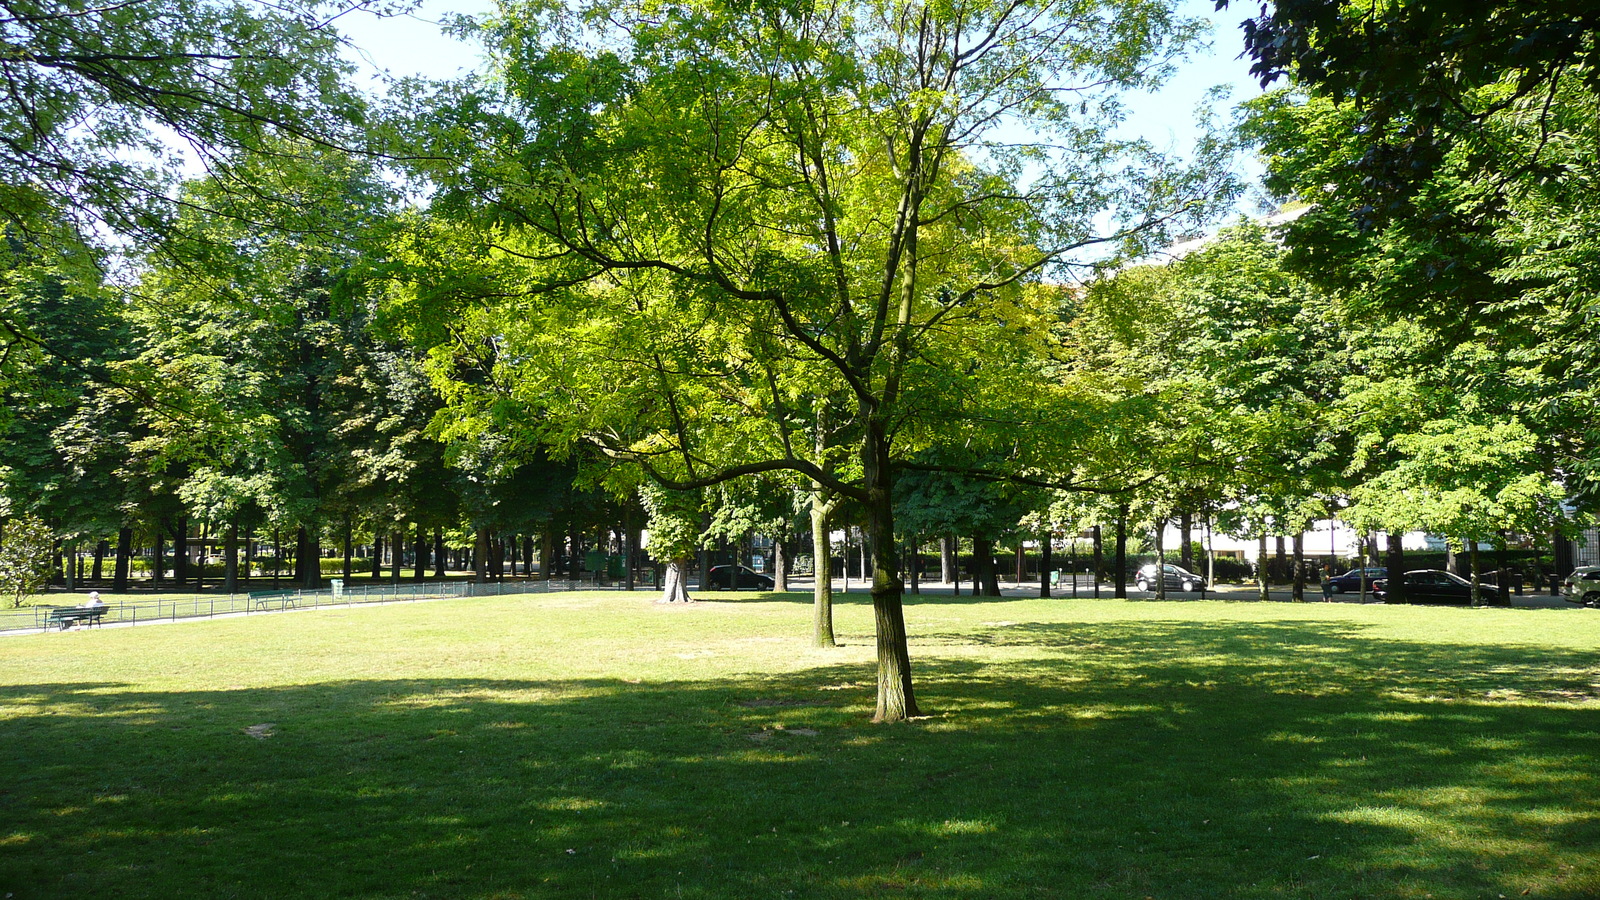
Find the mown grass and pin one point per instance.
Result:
(599, 745)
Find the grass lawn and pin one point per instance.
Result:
(600, 745)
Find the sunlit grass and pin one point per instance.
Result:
(600, 745)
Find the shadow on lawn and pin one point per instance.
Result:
(1168, 760)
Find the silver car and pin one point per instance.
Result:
(1582, 586)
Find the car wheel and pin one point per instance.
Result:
(1335, 588)
(1591, 599)
(1188, 587)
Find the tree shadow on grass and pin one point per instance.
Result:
(1167, 759)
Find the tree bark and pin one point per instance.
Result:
(1120, 557)
(1261, 565)
(180, 551)
(985, 572)
(419, 563)
(480, 556)
(119, 583)
(1099, 559)
(1477, 578)
(397, 553)
(675, 586)
(100, 549)
(1395, 561)
(822, 587)
(947, 560)
(1044, 563)
(547, 553)
(896, 698)
(309, 557)
(1161, 559)
(780, 562)
(1186, 535)
(230, 555)
(349, 559)
(1299, 567)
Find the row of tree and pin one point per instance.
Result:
(716, 268)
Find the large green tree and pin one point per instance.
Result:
(722, 212)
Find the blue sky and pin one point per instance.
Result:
(413, 45)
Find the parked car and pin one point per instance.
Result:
(1351, 580)
(738, 578)
(1582, 586)
(1434, 586)
(1176, 578)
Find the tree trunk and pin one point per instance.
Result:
(822, 584)
(947, 560)
(100, 549)
(896, 698)
(69, 565)
(1261, 566)
(675, 586)
(1281, 557)
(180, 551)
(1120, 557)
(480, 556)
(1161, 559)
(1477, 578)
(277, 556)
(419, 562)
(627, 550)
(984, 569)
(349, 560)
(377, 555)
(1395, 561)
(1099, 559)
(1299, 567)
(230, 555)
(439, 555)
(397, 553)
(1044, 563)
(1186, 535)
(309, 548)
(780, 562)
(119, 583)
(547, 552)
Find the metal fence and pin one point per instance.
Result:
(203, 606)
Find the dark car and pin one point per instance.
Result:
(1351, 580)
(1434, 586)
(738, 578)
(1176, 577)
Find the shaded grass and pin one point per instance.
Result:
(602, 746)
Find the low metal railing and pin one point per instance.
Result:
(202, 606)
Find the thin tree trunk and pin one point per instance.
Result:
(480, 556)
(822, 584)
(119, 583)
(230, 556)
(69, 565)
(100, 549)
(1186, 535)
(349, 560)
(180, 552)
(397, 553)
(419, 564)
(896, 697)
(1044, 563)
(1261, 565)
(916, 564)
(947, 560)
(1299, 567)
(1477, 578)
(780, 562)
(1121, 555)
(1099, 559)
(439, 554)
(1161, 559)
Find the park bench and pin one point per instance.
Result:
(274, 599)
(67, 616)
